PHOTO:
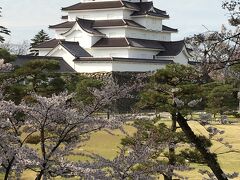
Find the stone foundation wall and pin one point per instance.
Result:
(116, 75)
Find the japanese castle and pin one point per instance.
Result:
(114, 35)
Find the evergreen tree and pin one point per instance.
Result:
(167, 86)
(37, 76)
(221, 98)
(3, 30)
(39, 38)
(4, 54)
(177, 89)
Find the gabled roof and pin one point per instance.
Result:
(140, 8)
(48, 44)
(67, 24)
(23, 59)
(75, 49)
(101, 5)
(147, 8)
(72, 47)
(100, 23)
(87, 25)
(166, 28)
(172, 48)
(129, 42)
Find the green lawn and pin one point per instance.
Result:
(230, 162)
(107, 145)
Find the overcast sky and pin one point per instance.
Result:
(26, 17)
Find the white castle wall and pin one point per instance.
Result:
(85, 40)
(61, 52)
(59, 32)
(101, 14)
(91, 67)
(99, 66)
(135, 33)
(151, 23)
(145, 34)
(43, 52)
(113, 32)
(125, 52)
(109, 52)
(142, 53)
(136, 67)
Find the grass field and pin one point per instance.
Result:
(107, 145)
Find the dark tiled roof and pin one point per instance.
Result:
(144, 8)
(64, 67)
(166, 28)
(129, 42)
(48, 44)
(116, 22)
(111, 42)
(147, 8)
(142, 43)
(75, 49)
(124, 60)
(101, 5)
(172, 48)
(87, 25)
(101, 23)
(67, 24)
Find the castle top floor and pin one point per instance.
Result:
(87, 1)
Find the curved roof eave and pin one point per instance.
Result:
(80, 26)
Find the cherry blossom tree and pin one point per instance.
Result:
(11, 143)
(11, 122)
(61, 126)
(217, 50)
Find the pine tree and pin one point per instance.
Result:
(3, 30)
(39, 38)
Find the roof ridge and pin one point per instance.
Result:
(103, 4)
(127, 41)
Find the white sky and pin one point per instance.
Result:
(26, 17)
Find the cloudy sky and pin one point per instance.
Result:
(26, 17)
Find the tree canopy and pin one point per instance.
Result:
(3, 30)
(39, 38)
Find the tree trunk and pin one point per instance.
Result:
(43, 150)
(39, 176)
(207, 155)
(165, 177)
(171, 149)
(8, 169)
